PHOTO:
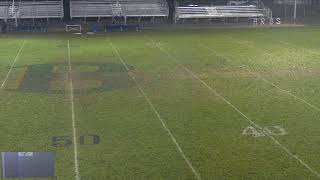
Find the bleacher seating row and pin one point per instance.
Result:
(219, 11)
(113, 8)
(43, 9)
(121, 8)
(31, 9)
(3, 10)
(291, 2)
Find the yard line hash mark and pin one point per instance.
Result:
(76, 165)
(269, 82)
(12, 65)
(196, 174)
(237, 110)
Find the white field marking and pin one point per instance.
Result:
(283, 90)
(279, 41)
(298, 47)
(251, 131)
(3, 168)
(76, 165)
(242, 114)
(269, 82)
(237, 41)
(196, 174)
(282, 42)
(269, 129)
(12, 65)
(215, 53)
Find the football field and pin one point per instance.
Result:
(219, 103)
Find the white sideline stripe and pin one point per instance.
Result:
(12, 65)
(3, 168)
(269, 82)
(196, 174)
(237, 110)
(76, 165)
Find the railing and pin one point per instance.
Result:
(221, 11)
(112, 8)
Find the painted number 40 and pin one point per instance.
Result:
(261, 132)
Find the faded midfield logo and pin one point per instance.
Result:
(87, 77)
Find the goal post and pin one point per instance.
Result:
(74, 28)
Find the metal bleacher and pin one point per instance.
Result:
(4, 7)
(31, 9)
(200, 12)
(115, 8)
(291, 2)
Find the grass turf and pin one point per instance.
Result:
(242, 65)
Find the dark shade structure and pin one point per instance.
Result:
(27, 165)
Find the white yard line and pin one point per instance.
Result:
(298, 47)
(12, 65)
(173, 139)
(284, 91)
(76, 165)
(268, 82)
(312, 51)
(238, 110)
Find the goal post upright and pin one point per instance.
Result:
(76, 28)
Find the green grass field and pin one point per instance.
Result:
(172, 104)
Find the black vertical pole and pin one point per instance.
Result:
(171, 10)
(66, 9)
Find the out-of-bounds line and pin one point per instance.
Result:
(269, 82)
(75, 147)
(238, 110)
(12, 65)
(196, 174)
